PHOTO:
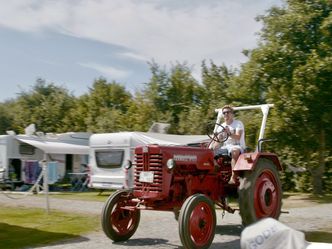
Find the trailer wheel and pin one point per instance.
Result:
(260, 193)
(197, 222)
(119, 224)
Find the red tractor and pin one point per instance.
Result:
(190, 182)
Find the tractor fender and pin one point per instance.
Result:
(248, 161)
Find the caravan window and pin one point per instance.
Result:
(110, 158)
(26, 149)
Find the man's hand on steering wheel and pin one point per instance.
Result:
(221, 135)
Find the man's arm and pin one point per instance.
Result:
(216, 144)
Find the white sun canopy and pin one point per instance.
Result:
(54, 147)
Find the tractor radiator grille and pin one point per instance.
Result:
(151, 163)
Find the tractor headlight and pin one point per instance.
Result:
(128, 165)
(170, 164)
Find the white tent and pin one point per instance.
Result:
(133, 139)
(149, 137)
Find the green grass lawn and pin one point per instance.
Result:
(319, 236)
(28, 227)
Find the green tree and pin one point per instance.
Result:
(76, 119)
(292, 69)
(45, 105)
(192, 122)
(141, 114)
(5, 117)
(105, 104)
(216, 82)
(155, 91)
(172, 94)
(183, 94)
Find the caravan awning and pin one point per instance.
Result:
(55, 147)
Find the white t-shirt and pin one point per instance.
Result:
(235, 126)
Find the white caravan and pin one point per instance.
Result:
(110, 153)
(68, 151)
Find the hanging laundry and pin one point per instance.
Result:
(32, 171)
(52, 169)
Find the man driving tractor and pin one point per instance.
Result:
(235, 143)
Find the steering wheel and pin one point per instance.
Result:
(220, 136)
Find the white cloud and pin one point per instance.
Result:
(33, 15)
(163, 30)
(112, 72)
(134, 56)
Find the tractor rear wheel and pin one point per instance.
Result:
(260, 193)
(119, 224)
(197, 222)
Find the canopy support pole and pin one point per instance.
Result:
(45, 183)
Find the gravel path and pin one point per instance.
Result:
(160, 229)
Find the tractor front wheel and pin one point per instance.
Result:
(197, 222)
(260, 193)
(119, 224)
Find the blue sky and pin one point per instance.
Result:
(71, 43)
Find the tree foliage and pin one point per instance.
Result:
(6, 118)
(45, 105)
(216, 82)
(106, 105)
(292, 69)
(173, 93)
